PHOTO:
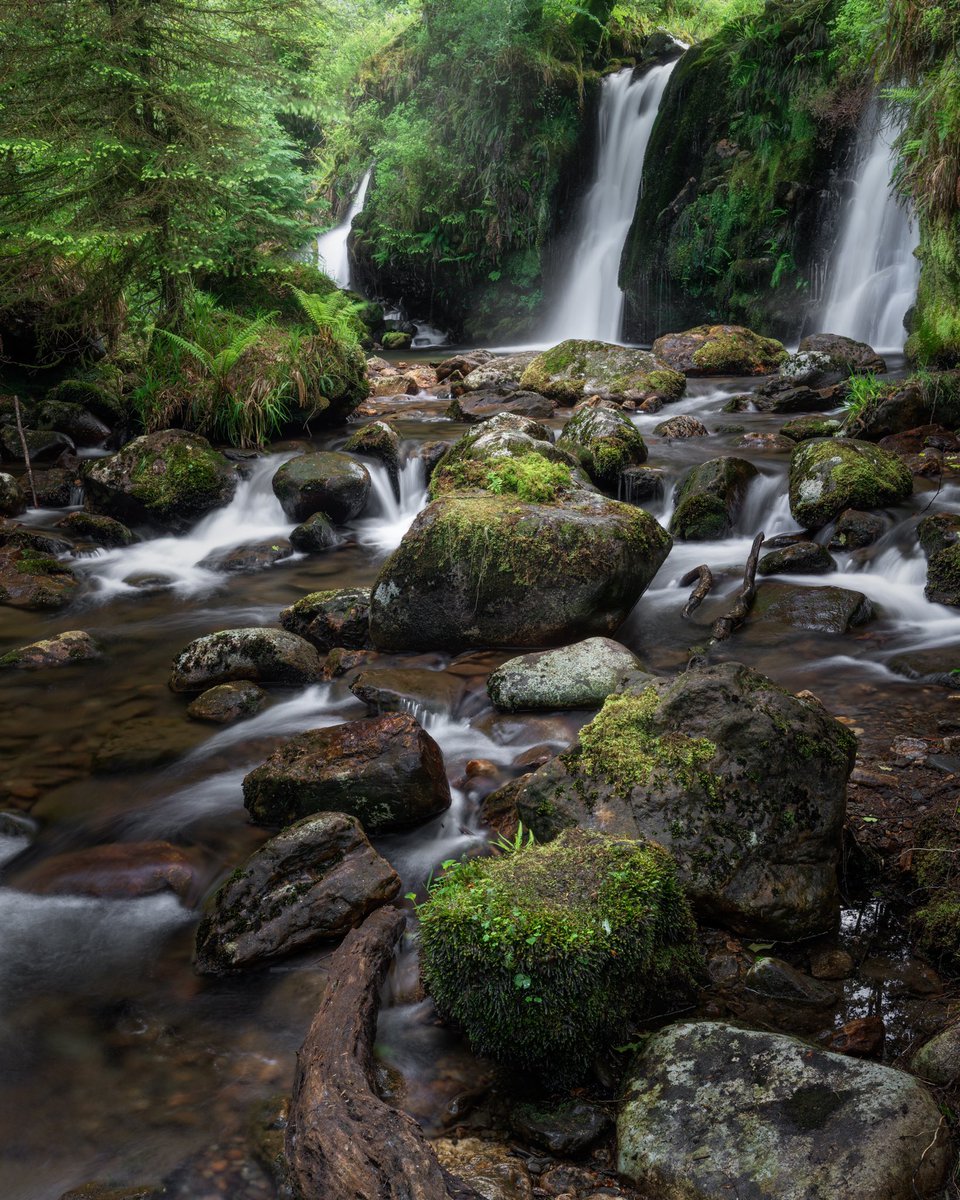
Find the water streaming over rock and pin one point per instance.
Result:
(390, 515)
(332, 251)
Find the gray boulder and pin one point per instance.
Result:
(327, 482)
(802, 558)
(938, 1061)
(843, 355)
(499, 374)
(579, 676)
(260, 655)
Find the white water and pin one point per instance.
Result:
(590, 302)
(333, 255)
(427, 336)
(874, 273)
(391, 517)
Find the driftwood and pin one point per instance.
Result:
(705, 582)
(725, 625)
(25, 449)
(343, 1142)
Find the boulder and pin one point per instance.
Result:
(829, 475)
(778, 980)
(855, 529)
(43, 445)
(743, 782)
(120, 871)
(471, 460)
(802, 429)
(314, 881)
(74, 420)
(12, 498)
(462, 364)
(385, 771)
(844, 355)
(796, 400)
(639, 485)
(501, 374)
(802, 558)
(379, 441)
(713, 1111)
(409, 689)
(61, 650)
(566, 1128)
(576, 369)
(682, 426)
(258, 654)
(33, 540)
(939, 667)
(314, 535)
(55, 488)
(938, 531)
(244, 560)
(338, 617)
(820, 609)
(943, 576)
(579, 676)
(811, 368)
(169, 479)
(710, 498)
(938, 1061)
(327, 482)
(34, 581)
(603, 441)
(720, 350)
(480, 406)
(227, 702)
(101, 531)
(910, 405)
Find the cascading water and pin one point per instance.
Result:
(875, 272)
(589, 301)
(333, 255)
(393, 514)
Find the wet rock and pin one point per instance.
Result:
(821, 609)
(55, 488)
(34, 581)
(802, 429)
(491, 1169)
(409, 690)
(227, 702)
(939, 666)
(104, 1191)
(169, 479)
(314, 535)
(43, 445)
(62, 650)
(432, 454)
(830, 475)
(938, 1061)
(776, 979)
(843, 354)
(831, 963)
(577, 676)
(386, 771)
(463, 364)
(938, 531)
(101, 531)
(809, 367)
(502, 373)
(720, 350)
(244, 560)
(379, 441)
(714, 1111)
(480, 406)
(910, 406)
(603, 441)
(74, 420)
(860, 1038)
(683, 426)
(326, 482)
(802, 558)
(150, 581)
(258, 654)
(340, 661)
(120, 871)
(138, 745)
(35, 541)
(796, 400)
(640, 484)
(710, 498)
(855, 529)
(744, 783)
(314, 881)
(565, 1129)
(488, 571)
(396, 339)
(943, 576)
(576, 369)
(338, 617)
(12, 499)
(769, 443)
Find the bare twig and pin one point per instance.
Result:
(724, 626)
(705, 579)
(24, 447)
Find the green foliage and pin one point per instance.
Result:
(530, 477)
(334, 313)
(862, 392)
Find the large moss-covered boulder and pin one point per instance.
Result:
(713, 1111)
(828, 475)
(543, 956)
(34, 580)
(486, 458)
(720, 350)
(257, 654)
(575, 369)
(743, 782)
(710, 498)
(579, 676)
(169, 479)
(603, 441)
(327, 482)
(479, 570)
(334, 617)
(943, 576)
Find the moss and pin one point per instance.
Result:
(531, 477)
(29, 562)
(738, 353)
(943, 576)
(177, 477)
(935, 335)
(670, 385)
(828, 476)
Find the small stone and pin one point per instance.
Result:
(777, 979)
(315, 535)
(831, 963)
(861, 1038)
(228, 702)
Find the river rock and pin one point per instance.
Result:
(327, 482)
(710, 498)
(101, 531)
(482, 571)
(315, 535)
(55, 488)
(258, 654)
(34, 581)
(802, 558)
(244, 560)
(804, 428)
(463, 364)
(35, 541)
(829, 475)
(227, 702)
(639, 485)
(385, 771)
(713, 1111)
(120, 871)
(776, 979)
(337, 617)
(603, 441)
(43, 445)
(74, 420)
(480, 406)
(939, 666)
(12, 499)
(62, 650)
(501, 374)
(576, 369)
(565, 1129)
(494, 1171)
(720, 350)
(796, 400)
(138, 745)
(400, 689)
(909, 406)
(469, 460)
(578, 676)
(943, 576)
(855, 529)
(820, 609)
(314, 881)
(682, 426)
(810, 367)
(938, 1061)
(744, 783)
(938, 531)
(379, 441)
(843, 354)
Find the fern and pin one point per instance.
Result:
(335, 313)
(217, 366)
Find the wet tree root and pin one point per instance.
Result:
(705, 582)
(724, 626)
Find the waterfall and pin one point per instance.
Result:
(589, 301)
(332, 254)
(874, 272)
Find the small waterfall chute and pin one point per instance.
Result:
(332, 252)
(392, 515)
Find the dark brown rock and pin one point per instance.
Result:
(123, 870)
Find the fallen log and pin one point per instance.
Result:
(343, 1142)
(725, 625)
(705, 582)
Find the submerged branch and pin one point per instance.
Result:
(705, 579)
(724, 626)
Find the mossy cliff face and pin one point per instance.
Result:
(830, 475)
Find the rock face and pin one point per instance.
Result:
(710, 498)
(827, 476)
(578, 676)
(385, 771)
(12, 499)
(34, 581)
(312, 882)
(227, 702)
(169, 479)
(338, 617)
(73, 646)
(486, 571)
(576, 369)
(260, 655)
(713, 1111)
(603, 441)
(843, 354)
(744, 783)
(327, 482)
(720, 350)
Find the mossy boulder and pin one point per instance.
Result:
(743, 782)
(62, 650)
(802, 429)
(43, 445)
(260, 655)
(379, 441)
(100, 531)
(575, 369)
(829, 475)
(855, 529)
(328, 482)
(396, 339)
(844, 355)
(603, 441)
(579, 676)
(938, 531)
(56, 487)
(943, 576)
(99, 392)
(802, 558)
(169, 479)
(720, 350)
(501, 374)
(12, 499)
(33, 580)
(335, 617)
(710, 498)
(314, 535)
(544, 956)
(479, 570)
(486, 457)
(72, 419)
(228, 702)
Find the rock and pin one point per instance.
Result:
(227, 702)
(34, 541)
(603, 441)
(243, 560)
(640, 484)
(138, 745)
(821, 609)
(796, 400)
(943, 577)
(809, 367)
(502, 373)
(713, 1111)
(843, 354)
(101, 531)
(938, 1061)
(939, 666)
(338, 617)
(710, 498)
(744, 783)
(802, 429)
(720, 350)
(860, 1038)
(576, 369)
(340, 661)
(314, 881)
(120, 871)
(409, 690)
(327, 482)
(480, 406)
(43, 445)
(911, 405)
(386, 771)
(486, 571)
(463, 364)
(683, 426)
(62, 650)
(938, 531)
(565, 1129)
(395, 339)
(802, 558)
(12, 499)
(830, 475)
(102, 1191)
(314, 535)
(260, 655)
(72, 419)
(776, 979)
(56, 488)
(577, 676)
(855, 529)
(493, 1170)
(169, 479)
(379, 441)
(487, 450)
(34, 581)
(831, 963)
